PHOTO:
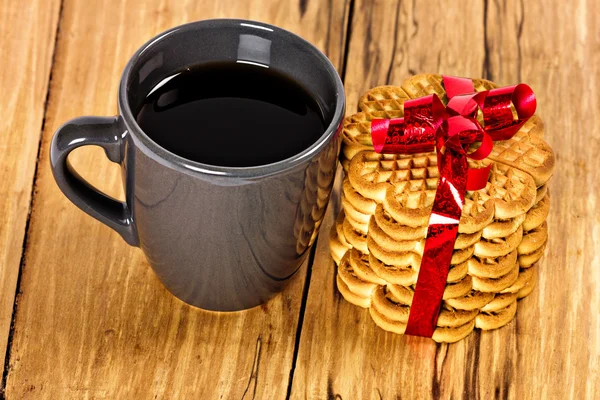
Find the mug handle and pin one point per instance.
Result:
(103, 132)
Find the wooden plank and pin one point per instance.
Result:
(555, 352)
(92, 320)
(27, 58)
(552, 349)
(342, 353)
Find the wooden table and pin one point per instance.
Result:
(83, 317)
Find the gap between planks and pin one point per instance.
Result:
(345, 47)
(31, 200)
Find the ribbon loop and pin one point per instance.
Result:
(415, 133)
(451, 130)
(506, 109)
(455, 85)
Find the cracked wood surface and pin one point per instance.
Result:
(93, 322)
(27, 59)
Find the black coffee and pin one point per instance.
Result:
(231, 114)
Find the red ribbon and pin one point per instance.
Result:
(428, 125)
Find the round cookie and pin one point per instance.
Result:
(528, 288)
(398, 258)
(513, 191)
(458, 289)
(528, 153)
(496, 285)
(534, 239)
(361, 204)
(454, 318)
(500, 301)
(503, 228)
(357, 224)
(403, 294)
(356, 285)
(353, 213)
(496, 319)
(492, 267)
(385, 303)
(350, 297)
(356, 137)
(362, 267)
(457, 272)
(387, 243)
(385, 323)
(525, 275)
(499, 246)
(527, 260)
(541, 193)
(336, 247)
(474, 300)
(356, 238)
(383, 102)
(465, 240)
(534, 126)
(452, 335)
(396, 230)
(405, 275)
(537, 215)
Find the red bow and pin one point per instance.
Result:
(428, 125)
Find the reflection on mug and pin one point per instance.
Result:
(254, 50)
(319, 178)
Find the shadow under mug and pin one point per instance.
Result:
(219, 238)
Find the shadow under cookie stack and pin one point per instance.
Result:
(378, 239)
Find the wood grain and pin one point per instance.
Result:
(92, 320)
(551, 350)
(556, 351)
(24, 75)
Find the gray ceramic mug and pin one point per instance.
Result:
(220, 238)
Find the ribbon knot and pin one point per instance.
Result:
(468, 118)
(428, 124)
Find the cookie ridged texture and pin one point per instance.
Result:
(378, 238)
(406, 185)
(481, 292)
(528, 152)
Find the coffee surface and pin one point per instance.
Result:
(231, 114)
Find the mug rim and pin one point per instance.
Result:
(163, 155)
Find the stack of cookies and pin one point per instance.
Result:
(379, 235)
